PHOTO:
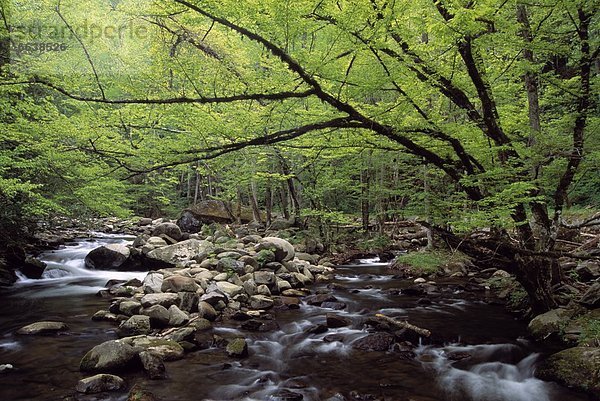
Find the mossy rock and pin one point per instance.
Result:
(577, 367)
(237, 348)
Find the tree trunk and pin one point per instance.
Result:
(283, 198)
(269, 203)
(365, 180)
(536, 275)
(254, 202)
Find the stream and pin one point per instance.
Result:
(484, 357)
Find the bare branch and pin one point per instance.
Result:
(174, 100)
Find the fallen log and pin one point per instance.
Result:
(403, 324)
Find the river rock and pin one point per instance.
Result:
(168, 350)
(169, 229)
(318, 299)
(591, 298)
(105, 316)
(108, 257)
(153, 365)
(267, 278)
(182, 334)
(114, 355)
(260, 302)
(213, 295)
(588, 270)
(549, 323)
(164, 299)
(135, 325)
(260, 325)
(177, 283)
(286, 395)
(129, 307)
(283, 250)
(158, 314)
(99, 383)
(237, 348)
(33, 268)
(250, 287)
(177, 317)
(43, 328)
(188, 222)
(206, 311)
(231, 290)
(138, 393)
(374, 342)
(152, 283)
(577, 367)
(334, 321)
(171, 255)
(188, 301)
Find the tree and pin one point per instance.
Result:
(457, 84)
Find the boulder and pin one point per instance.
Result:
(206, 311)
(153, 365)
(156, 242)
(33, 268)
(144, 221)
(237, 348)
(374, 342)
(283, 250)
(281, 224)
(177, 283)
(108, 257)
(171, 255)
(100, 383)
(43, 328)
(135, 325)
(158, 314)
(188, 222)
(260, 302)
(167, 350)
(334, 321)
(588, 270)
(129, 307)
(114, 355)
(169, 229)
(177, 317)
(265, 277)
(216, 211)
(549, 323)
(591, 298)
(164, 299)
(229, 289)
(152, 283)
(577, 367)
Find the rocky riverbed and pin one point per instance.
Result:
(243, 280)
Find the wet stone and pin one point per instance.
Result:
(287, 395)
(374, 342)
(153, 365)
(100, 383)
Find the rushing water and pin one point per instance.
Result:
(484, 357)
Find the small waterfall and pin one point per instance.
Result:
(66, 273)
